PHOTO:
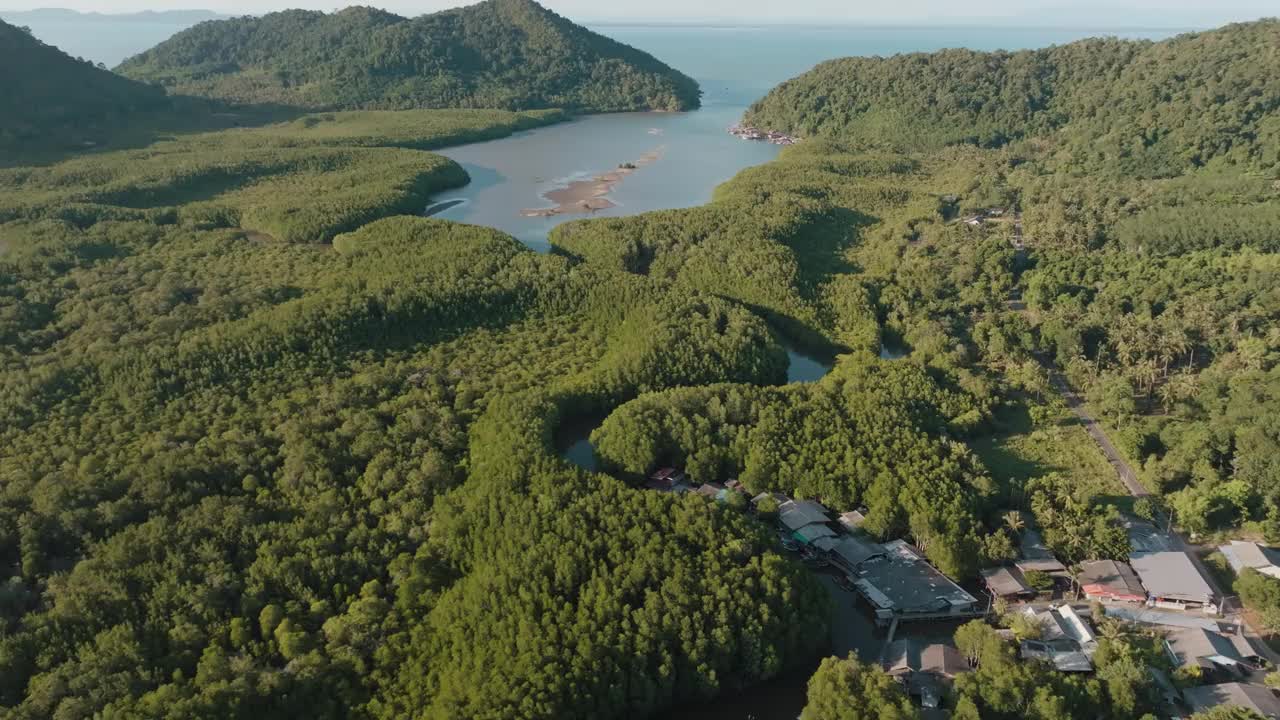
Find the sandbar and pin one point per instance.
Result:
(588, 196)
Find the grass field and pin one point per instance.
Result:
(1059, 446)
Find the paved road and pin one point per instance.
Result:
(1126, 473)
(1232, 610)
(1130, 479)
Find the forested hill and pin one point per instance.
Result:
(1163, 107)
(504, 54)
(48, 93)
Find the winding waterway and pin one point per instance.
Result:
(680, 159)
(853, 629)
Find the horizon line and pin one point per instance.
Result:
(991, 22)
(1003, 23)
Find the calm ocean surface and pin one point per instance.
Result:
(736, 66)
(109, 42)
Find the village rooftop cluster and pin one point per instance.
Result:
(1160, 586)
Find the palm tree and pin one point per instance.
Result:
(1179, 387)
(1110, 629)
(1147, 374)
(1174, 343)
(1073, 571)
(1013, 520)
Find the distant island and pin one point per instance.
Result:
(63, 15)
(52, 98)
(504, 54)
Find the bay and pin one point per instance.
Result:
(691, 153)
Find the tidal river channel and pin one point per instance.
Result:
(679, 159)
(519, 185)
(852, 627)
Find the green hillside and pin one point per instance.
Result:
(505, 54)
(48, 94)
(1158, 108)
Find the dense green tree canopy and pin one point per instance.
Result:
(1148, 187)
(859, 437)
(509, 54)
(850, 689)
(243, 476)
(1135, 106)
(271, 446)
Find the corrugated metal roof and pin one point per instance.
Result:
(1171, 575)
(1253, 697)
(795, 514)
(810, 533)
(854, 551)
(1111, 578)
(1191, 644)
(1063, 622)
(1005, 581)
(1241, 555)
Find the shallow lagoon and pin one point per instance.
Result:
(691, 154)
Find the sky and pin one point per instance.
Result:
(1153, 13)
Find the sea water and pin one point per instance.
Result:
(735, 66)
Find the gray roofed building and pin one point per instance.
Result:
(1170, 578)
(795, 514)
(1241, 555)
(1210, 650)
(1063, 622)
(1066, 642)
(1252, 697)
(902, 584)
(908, 655)
(811, 533)
(825, 544)
(1006, 582)
(1110, 580)
(1061, 654)
(848, 552)
(1036, 555)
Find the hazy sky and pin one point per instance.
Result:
(1047, 12)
